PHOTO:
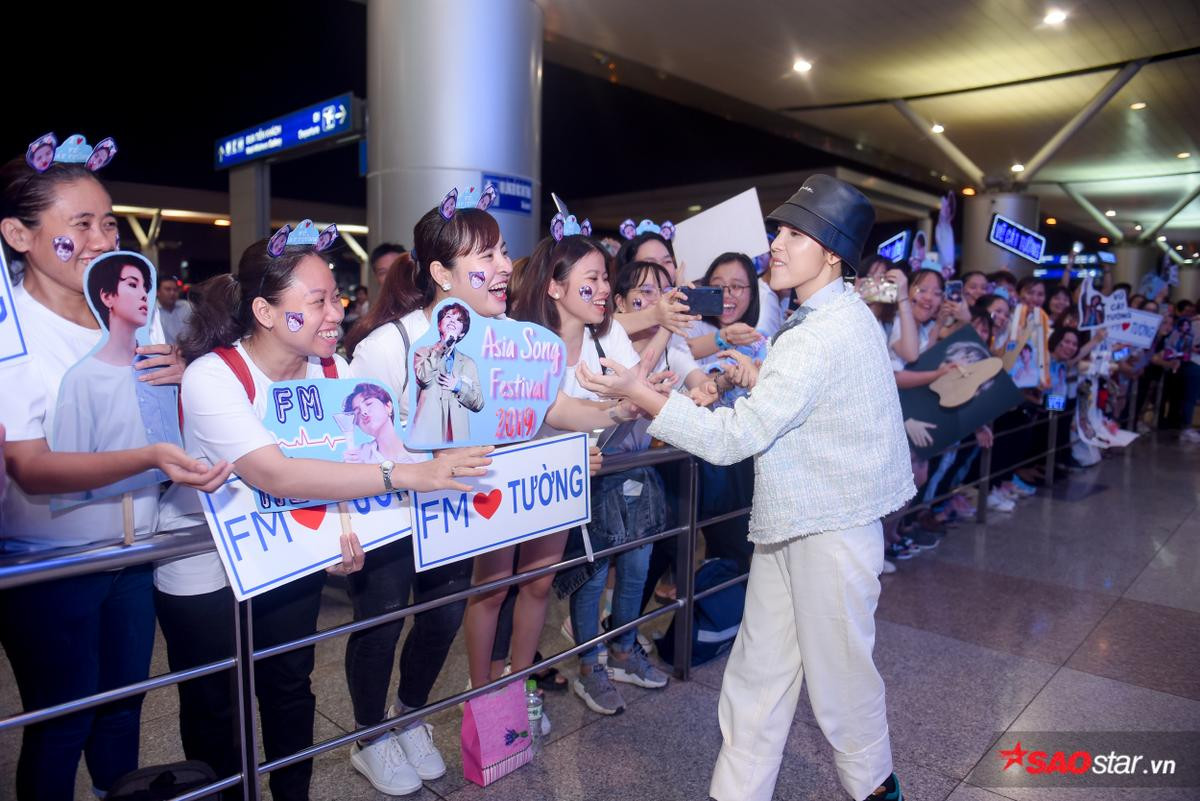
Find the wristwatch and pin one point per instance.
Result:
(386, 467)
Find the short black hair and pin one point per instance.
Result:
(104, 277)
(385, 248)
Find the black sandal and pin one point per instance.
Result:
(549, 679)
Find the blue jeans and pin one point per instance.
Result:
(67, 639)
(632, 566)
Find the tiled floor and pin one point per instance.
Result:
(1080, 611)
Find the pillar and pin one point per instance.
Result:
(1134, 260)
(249, 207)
(980, 254)
(454, 91)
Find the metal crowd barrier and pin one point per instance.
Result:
(23, 570)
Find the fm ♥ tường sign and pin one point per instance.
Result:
(334, 420)
(480, 380)
(1138, 329)
(263, 550)
(12, 338)
(530, 490)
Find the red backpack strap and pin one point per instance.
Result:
(329, 367)
(239, 367)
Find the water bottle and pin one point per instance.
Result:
(533, 702)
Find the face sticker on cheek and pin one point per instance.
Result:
(64, 247)
(637, 303)
(477, 279)
(295, 320)
(586, 292)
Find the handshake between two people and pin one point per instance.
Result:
(648, 393)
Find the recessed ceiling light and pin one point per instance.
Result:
(1184, 155)
(1138, 106)
(1137, 227)
(801, 65)
(937, 127)
(1110, 213)
(1055, 16)
(1179, 247)
(1162, 239)
(1196, 255)
(968, 191)
(222, 222)
(1051, 221)
(1104, 240)
(693, 209)
(1017, 168)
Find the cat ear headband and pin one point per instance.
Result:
(471, 199)
(631, 231)
(305, 234)
(561, 226)
(45, 150)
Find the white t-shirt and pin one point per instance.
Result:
(616, 345)
(220, 424)
(381, 356)
(27, 410)
(924, 341)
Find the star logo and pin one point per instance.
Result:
(1015, 756)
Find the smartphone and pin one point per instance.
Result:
(1055, 403)
(1120, 355)
(954, 291)
(707, 301)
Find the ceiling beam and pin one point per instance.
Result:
(969, 168)
(1094, 213)
(1106, 93)
(1175, 257)
(1170, 215)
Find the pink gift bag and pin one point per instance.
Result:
(495, 735)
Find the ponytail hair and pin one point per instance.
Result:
(222, 310)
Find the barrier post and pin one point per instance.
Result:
(985, 471)
(244, 654)
(1131, 418)
(1158, 393)
(685, 570)
(1051, 444)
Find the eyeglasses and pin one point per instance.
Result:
(734, 290)
(937, 293)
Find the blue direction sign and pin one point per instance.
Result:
(1016, 238)
(318, 122)
(513, 194)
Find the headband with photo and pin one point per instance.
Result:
(631, 231)
(470, 199)
(45, 150)
(102, 406)
(568, 226)
(305, 234)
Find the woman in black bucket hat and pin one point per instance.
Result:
(823, 424)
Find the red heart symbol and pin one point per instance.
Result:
(487, 504)
(1124, 326)
(309, 517)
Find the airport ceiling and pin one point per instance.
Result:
(997, 77)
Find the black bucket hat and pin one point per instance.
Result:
(832, 212)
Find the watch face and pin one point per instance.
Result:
(387, 464)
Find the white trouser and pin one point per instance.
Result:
(810, 613)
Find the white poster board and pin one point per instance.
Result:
(530, 490)
(12, 339)
(732, 226)
(265, 550)
(1138, 329)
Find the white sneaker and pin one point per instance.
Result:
(997, 501)
(1191, 435)
(422, 754)
(888, 567)
(385, 766)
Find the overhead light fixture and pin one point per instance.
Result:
(937, 127)
(1179, 247)
(1137, 227)
(1162, 239)
(1017, 168)
(1196, 255)
(968, 191)
(1110, 213)
(222, 222)
(1138, 106)
(1051, 221)
(1055, 16)
(1184, 155)
(801, 65)
(693, 209)
(1104, 240)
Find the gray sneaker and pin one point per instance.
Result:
(597, 691)
(635, 668)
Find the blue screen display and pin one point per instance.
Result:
(1016, 238)
(312, 124)
(895, 249)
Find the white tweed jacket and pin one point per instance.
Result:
(823, 425)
